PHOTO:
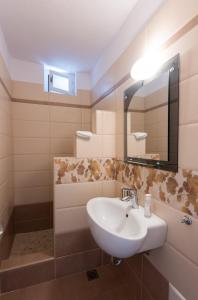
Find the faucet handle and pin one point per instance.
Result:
(125, 199)
(125, 192)
(186, 220)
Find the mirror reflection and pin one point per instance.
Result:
(147, 120)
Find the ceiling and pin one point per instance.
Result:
(69, 34)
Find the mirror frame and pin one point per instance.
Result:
(171, 164)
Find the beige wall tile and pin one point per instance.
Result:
(109, 188)
(108, 146)
(188, 145)
(159, 30)
(32, 195)
(69, 195)
(86, 127)
(179, 235)
(5, 76)
(174, 266)
(120, 146)
(98, 119)
(5, 123)
(119, 186)
(65, 114)
(29, 91)
(86, 115)
(188, 100)
(5, 169)
(5, 146)
(89, 148)
(187, 46)
(82, 98)
(31, 129)
(31, 162)
(64, 130)
(119, 122)
(31, 146)
(27, 111)
(32, 178)
(6, 179)
(62, 146)
(70, 219)
(108, 122)
(5, 103)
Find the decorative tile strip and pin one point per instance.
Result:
(179, 190)
(73, 170)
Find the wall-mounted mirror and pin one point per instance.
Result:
(151, 119)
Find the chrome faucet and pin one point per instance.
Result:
(129, 194)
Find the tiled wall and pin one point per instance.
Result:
(6, 182)
(146, 281)
(102, 143)
(42, 130)
(172, 260)
(74, 244)
(76, 181)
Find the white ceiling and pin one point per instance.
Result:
(69, 34)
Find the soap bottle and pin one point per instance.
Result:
(147, 205)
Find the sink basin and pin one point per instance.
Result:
(122, 231)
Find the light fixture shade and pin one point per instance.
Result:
(146, 66)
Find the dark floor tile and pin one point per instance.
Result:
(78, 287)
(45, 291)
(122, 292)
(15, 295)
(111, 285)
(26, 276)
(78, 262)
(145, 295)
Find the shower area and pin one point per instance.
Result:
(35, 127)
(26, 194)
(28, 246)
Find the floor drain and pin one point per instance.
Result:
(116, 261)
(92, 274)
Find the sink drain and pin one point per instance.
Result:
(116, 261)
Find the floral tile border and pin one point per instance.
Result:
(179, 190)
(74, 170)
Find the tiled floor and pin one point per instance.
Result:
(29, 247)
(112, 284)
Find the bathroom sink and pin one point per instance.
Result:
(121, 230)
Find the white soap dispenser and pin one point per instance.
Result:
(147, 205)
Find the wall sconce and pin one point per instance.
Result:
(146, 66)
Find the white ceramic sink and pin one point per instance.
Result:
(121, 230)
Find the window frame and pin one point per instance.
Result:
(72, 83)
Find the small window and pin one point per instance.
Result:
(61, 83)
